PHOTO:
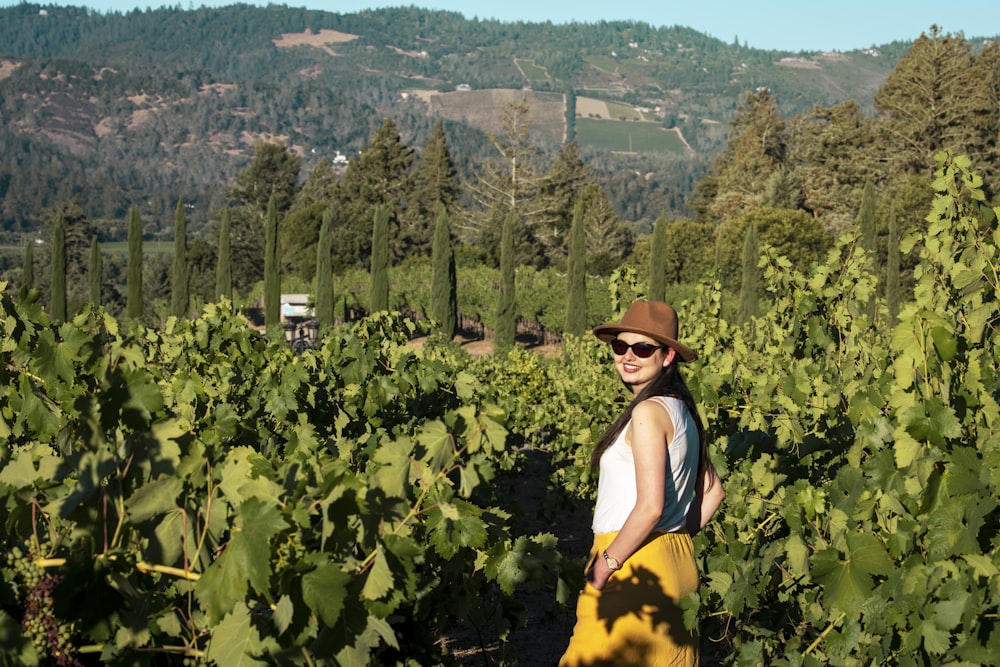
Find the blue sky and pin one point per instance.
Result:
(822, 25)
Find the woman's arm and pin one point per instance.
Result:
(709, 494)
(649, 434)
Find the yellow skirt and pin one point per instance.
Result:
(636, 620)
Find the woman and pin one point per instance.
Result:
(656, 488)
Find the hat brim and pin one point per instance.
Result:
(608, 332)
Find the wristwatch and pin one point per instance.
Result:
(612, 562)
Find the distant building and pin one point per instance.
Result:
(295, 307)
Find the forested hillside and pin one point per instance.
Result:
(149, 106)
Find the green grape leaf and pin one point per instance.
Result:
(153, 499)
(848, 582)
(324, 590)
(284, 613)
(235, 641)
(378, 580)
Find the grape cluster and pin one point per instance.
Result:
(289, 551)
(51, 636)
(26, 573)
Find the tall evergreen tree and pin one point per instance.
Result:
(380, 260)
(272, 275)
(505, 331)
(576, 275)
(179, 274)
(749, 306)
(324, 272)
(756, 147)
(935, 98)
(867, 230)
(223, 262)
(96, 273)
(444, 283)
(658, 261)
(379, 176)
(435, 185)
(28, 272)
(133, 302)
(57, 306)
(892, 270)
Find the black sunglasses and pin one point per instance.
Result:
(642, 349)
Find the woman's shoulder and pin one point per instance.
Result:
(652, 408)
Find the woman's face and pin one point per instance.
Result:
(636, 371)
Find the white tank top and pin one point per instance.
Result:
(616, 488)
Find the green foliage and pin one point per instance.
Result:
(657, 261)
(180, 276)
(444, 286)
(28, 267)
(324, 273)
(134, 305)
(272, 272)
(203, 493)
(96, 272)
(379, 300)
(506, 322)
(57, 298)
(576, 279)
(793, 234)
(749, 306)
(223, 264)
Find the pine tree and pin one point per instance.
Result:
(750, 287)
(435, 185)
(57, 306)
(658, 261)
(576, 275)
(272, 277)
(379, 176)
(935, 98)
(892, 270)
(133, 306)
(223, 263)
(28, 272)
(444, 287)
(380, 260)
(505, 330)
(324, 272)
(96, 274)
(179, 278)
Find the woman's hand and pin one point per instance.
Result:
(598, 573)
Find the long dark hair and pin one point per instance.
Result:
(668, 382)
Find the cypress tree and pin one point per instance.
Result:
(869, 237)
(658, 261)
(96, 273)
(324, 272)
(57, 306)
(272, 279)
(224, 262)
(444, 282)
(506, 320)
(28, 273)
(133, 301)
(380, 260)
(866, 221)
(892, 269)
(750, 288)
(179, 274)
(576, 278)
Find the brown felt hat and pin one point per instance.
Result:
(655, 319)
